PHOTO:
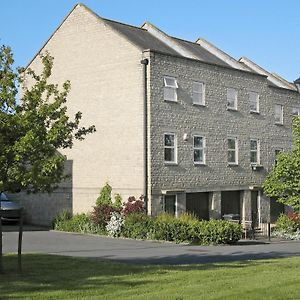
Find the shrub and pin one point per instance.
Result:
(188, 217)
(133, 205)
(216, 232)
(62, 216)
(105, 196)
(295, 217)
(118, 201)
(138, 226)
(115, 224)
(101, 214)
(286, 224)
(79, 223)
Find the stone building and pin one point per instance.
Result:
(181, 122)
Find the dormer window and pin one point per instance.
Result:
(170, 89)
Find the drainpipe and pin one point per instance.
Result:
(145, 62)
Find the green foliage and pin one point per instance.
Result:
(61, 217)
(118, 201)
(137, 226)
(284, 180)
(34, 130)
(286, 224)
(79, 223)
(105, 195)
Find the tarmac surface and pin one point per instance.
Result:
(41, 240)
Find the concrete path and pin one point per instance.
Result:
(38, 240)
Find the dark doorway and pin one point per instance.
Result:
(276, 209)
(197, 204)
(254, 208)
(230, 202)
(170, 204)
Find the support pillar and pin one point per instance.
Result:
(215, 205)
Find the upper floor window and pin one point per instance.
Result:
(254, 102)
(232, 98)
(296, 111)
(232, 150)
(254, 151)
(170, 88)
(199, 149)
(198, 93)
(278, 114)
(170, 148)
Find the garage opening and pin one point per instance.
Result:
(198, 204)
(230, 202)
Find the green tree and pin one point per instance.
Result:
(34, 130)
(284, 180)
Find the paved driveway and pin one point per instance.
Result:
(36, 240)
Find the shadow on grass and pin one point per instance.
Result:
(51, 273)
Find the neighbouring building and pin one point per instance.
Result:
(181, 122)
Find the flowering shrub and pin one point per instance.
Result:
(285, 223)
(133, 205)
(114, 225)
(295, 217)
(102, 214)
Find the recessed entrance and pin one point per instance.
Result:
(197, 204)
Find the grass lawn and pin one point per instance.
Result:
(58, 277)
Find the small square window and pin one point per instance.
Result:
(278, 114)
(232, 98)
(198, 93)
(254, 102)
(170, 89)
(199, 149)
(170, 148)
(232, 151)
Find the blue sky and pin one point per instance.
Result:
(266, 31)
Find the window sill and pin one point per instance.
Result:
(254, 112)
(232, 164)
(173, 101)
(231, 109)
(198, 104)
(279, 124)
(167, 163)
(199, 164)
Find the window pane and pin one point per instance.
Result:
(170, 82)
(231, 156)
(278, 114)
(295, 111)
(169, 154)
(198, 141)
(170, 94)
(231, 98)
(253, 145)
(169, 140)
(231, 143)
(253, 157)
(170, 204)
(198, 98)
(197, 87)
(198, 155)
(253, 101)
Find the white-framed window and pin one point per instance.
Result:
(278, 114)
(198, 93)
(170, 148)
(170, 204)
(170, 88)
(232, 150)
(199, 149)
(295, 111)
(254, 152)
(254, 102)
(232, 98)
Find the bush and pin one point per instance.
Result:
(295, 217)
(216, 232)
(286, 224)
(114, 225)
(118, 201)
(79, 223)
(133, 205)
(105, 196)
(138, 226)
(63, 216)
(102, 213)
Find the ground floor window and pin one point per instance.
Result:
(170, 204)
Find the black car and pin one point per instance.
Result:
(9, 208)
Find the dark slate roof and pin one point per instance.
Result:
(141, 37)
(200, 52)
(144, 40)
(297, 81)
